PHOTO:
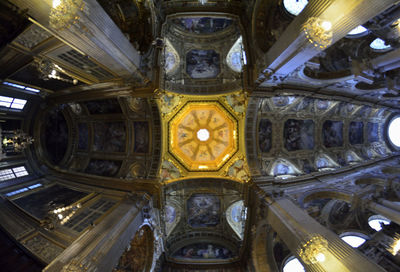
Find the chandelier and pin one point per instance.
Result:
(19, 141)
(50, 70)
(65, 13)
(318, 32)
(64, 214)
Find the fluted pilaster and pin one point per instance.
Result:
(295, 227)
(95, 35)
(293, 48)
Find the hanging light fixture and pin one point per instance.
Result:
(318, 32)
(64, 214)
(50, 70)
(65, 13)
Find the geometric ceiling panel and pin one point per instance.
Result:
(203, 136)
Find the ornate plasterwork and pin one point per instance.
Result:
(221, 152)
(236, 56)
(236, 217)
(171, 58)
(318, 134)
(42, 247)
(32, 37)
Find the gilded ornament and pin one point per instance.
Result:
(313, 250)
(65, 13)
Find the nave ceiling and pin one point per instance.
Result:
(136, 122)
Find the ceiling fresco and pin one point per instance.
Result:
(202, 63)
(203, 251)
(202, 25)
(203, 136)
(329, 134)
(208, 151)
(203, 210)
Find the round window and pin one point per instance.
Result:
(394, 131)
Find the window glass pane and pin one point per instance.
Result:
(34, 186)
(358, 30)
(294, 7)
(293, 265)
(379, 44)
(354, 241)
(376, 220)
(20, 168)
(17, 106)
(32, 89)
(19, 101)
(6, 99)
(20, 171)
(5, 104)
(394, 131)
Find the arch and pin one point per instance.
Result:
(343, 195)
(171, 58)
(369, 181)
(261, 252)
(352, 157)
(324, 162)
(391, 170)
(236, 217)
(283, 168)
(236, 57)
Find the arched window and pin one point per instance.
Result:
(324, 162)
(236, 57)
(294, 7)
(375, 222)
(354, 239)
(292, 264)
(393, 131)
(359, 31)
(171, 58)
(379, 45)
(236, 215)
(283, 169)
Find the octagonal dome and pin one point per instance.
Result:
(203, 136)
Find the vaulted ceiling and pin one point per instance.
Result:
(134, 111)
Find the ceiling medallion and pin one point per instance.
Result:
(203, 136)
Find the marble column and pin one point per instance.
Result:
(387, 61)
(386, 211)
(293, 49)
(295, 227)
(100, 248)
(390, 204)
(95, 35)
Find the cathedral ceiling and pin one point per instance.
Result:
(203, 133)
